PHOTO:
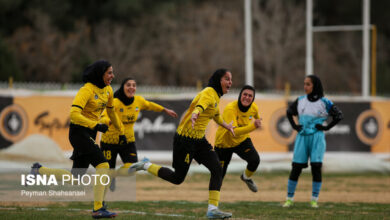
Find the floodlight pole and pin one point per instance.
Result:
(248, 43)
(366, 48)
(309, 37)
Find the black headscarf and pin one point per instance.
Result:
(215, 81)
(120, 93)
(240, 106)
(318, 91)
(94, 73)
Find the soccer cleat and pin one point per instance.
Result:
(138, 166)
(35, 168)
(314, 204)
(288, 203)
(113, 185)
(249, 182)
(103, 213)
(218, 214)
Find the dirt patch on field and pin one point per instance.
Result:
(373, 189)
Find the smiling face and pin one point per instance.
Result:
(226, 82)
(307, 85)
(108, 76)
(130, 87)
(246, 97)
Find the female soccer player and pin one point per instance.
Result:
(127, 106)
(88, 105)
(312, 110)
(190, 143)
(245, 116)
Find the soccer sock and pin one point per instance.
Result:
(247, 174)
(112, 173)
(123, 170)
(211, 207)
(153, 169)
(316, 187)
(147, 165)
(56, 172)
(291, 185)
(214, 197)
(98, 188)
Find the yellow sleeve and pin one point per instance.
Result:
(151, 106)
(105, 119)
(79, 102)
(230, 115)
(218, 119)
(110, 102)
(115, 120)
(112, 115)
(204, 101)
(245, 130)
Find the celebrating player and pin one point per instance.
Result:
(312, 110)
(88, 105)
(127, 106)
(245, 117)
(190, 143)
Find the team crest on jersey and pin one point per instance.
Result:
(96, 96)
(121, 110)
(250, 117)
(136, 109)
(108, 93)
(215, 105)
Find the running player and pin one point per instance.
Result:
(127, 106)
(190, 143)
(245, 116)
(91, 100)
(312, 110)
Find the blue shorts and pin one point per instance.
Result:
(312, 146)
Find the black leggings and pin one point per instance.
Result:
(315, 171)
(245, 150)
(184, 150)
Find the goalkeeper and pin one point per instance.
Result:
(312, 110)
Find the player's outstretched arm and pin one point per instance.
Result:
(170, 112)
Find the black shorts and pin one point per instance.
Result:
(85, 150)
(244, 150)
(127, 152)
(186, 149)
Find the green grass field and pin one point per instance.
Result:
(195, 210)
(377, 184)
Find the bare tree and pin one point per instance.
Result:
(44, 53)
(279, 42)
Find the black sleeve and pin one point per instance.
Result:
(337, 116)
(293, 110)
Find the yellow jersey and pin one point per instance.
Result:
(89, 103)
(128, 115)
(206, 103)
(243, 122)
